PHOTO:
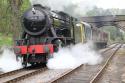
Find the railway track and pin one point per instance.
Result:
(99, 74)
(20, 74)
(10, 73)
(80, 76)
(109, 48)
(112, 71)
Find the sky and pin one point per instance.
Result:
(111, 4)
(103, 3)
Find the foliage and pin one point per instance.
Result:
(10, 14)
(10, 20)
(95, 11)
(6, 40)
(24, 6)
(114, 33)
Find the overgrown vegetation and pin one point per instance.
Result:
(95, 11)
(115, 34)
(10, 14)
(6, 40)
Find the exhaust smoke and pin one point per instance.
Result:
(73, 56)
(75, 8)
(8, 60)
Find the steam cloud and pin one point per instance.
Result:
(68, 57)
(75, 8)
(73, 56)
(8, 60)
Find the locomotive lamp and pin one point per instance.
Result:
(33, 10)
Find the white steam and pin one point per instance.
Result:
(68, 57)
(8, 60)
(72, 56)
(73, 7)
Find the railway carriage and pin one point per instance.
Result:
(83, 32)
(88, 33)
(99, 37)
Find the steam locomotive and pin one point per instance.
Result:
(45, 31)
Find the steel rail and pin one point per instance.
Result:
(99, 74)
(110, 48)
(55, 80)
(11, 73)
(64, 74)
(26, 75)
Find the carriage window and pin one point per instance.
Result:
(88, 32)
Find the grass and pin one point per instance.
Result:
(6, 40)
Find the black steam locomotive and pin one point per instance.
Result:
(44, 31)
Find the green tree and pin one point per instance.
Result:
(10, 15)
(115, 34)
(95, 11)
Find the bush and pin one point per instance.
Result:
(6, 40)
